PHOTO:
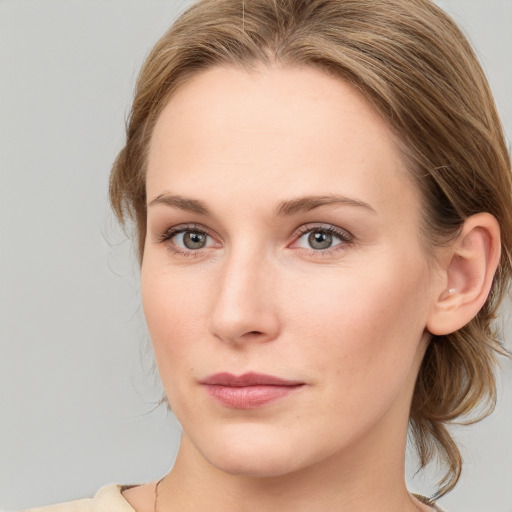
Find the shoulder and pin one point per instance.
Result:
(107, 499)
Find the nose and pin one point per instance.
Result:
(244, 308)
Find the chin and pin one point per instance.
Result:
(251, 464)
(258, 455)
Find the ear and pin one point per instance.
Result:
(467, 273)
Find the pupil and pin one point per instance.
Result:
(194, 240)
(320, 240)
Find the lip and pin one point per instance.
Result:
(250, 390)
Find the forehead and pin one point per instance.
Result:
(275, 132)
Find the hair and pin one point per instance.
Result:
(414, 65)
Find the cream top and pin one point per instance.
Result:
(107, 499)
(110, 499)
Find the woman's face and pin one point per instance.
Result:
(284, 282)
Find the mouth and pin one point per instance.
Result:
(248, 391)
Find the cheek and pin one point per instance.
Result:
(174, 310)
(362, 326)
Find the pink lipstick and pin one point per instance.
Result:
(248, 391)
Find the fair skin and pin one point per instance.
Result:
(257, 284)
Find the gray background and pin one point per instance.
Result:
(77, 383)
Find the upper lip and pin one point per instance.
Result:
(248, 379)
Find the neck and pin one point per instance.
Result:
(369, 478)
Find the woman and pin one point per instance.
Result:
(321, 194)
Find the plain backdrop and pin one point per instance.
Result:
(78, 389)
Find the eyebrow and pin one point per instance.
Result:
(308, 203)
(283, 209)
(181, 203)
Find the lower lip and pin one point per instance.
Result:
(249, 397)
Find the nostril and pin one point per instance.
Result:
(251, 334)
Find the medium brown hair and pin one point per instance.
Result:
(414, 65)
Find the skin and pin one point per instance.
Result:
(349, 321)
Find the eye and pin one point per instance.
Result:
(187, 240)
(191, 239)
(322, 238)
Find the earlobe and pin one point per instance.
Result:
(468, 275)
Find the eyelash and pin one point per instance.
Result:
(344, 236)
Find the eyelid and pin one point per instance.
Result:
(180, 228)
(306, 228)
